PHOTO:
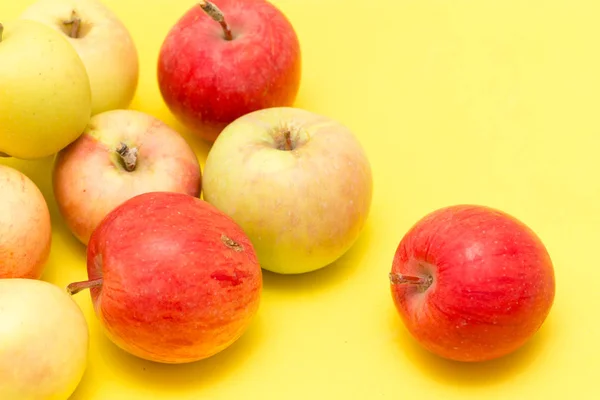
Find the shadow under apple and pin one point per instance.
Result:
(173, 379)
(488, 373)
(325, 278)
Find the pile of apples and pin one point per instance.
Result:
(175, 254)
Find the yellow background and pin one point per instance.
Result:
(489, 102)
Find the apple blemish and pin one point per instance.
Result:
(216, 14)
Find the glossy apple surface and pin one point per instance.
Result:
(103, 43)
(472, 283)
(207, 81)
(91, 177)
(45, 95)
(25, 226)
(172, 278)
(44, 341)
(298, 183)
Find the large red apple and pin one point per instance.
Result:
(472, 283)
(221, 61)
(120, 154)
(172, 278)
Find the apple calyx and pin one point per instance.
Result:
(128, 156)
(1, 30)
(216, 14)
(400, 279)
(76, 287)
(75, 23)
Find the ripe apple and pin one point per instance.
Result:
(298, 183)
(44, 341)
(172, 278)
(219, 63)
(472, 283)
(103, 43)
(121, 153)
(25, 226)
(45, 99)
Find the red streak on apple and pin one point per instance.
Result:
(181, 280)
(472, 283)
(208, 81)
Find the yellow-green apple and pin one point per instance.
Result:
(103, 43)
(472, 283)
(44, 341)
(121, 153)
(298, 183)
(225, 59)
(25, 226)
(45, 95)
(172, 279)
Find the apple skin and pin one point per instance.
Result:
(207, 81)
(45, 99)
(173, 290)
(105, 46)
(89, 178)
(44, 341)
(489, 283)
(302, 208)
(25, 226)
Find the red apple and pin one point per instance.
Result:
(172, 278)
(219, 63)
(120, 154)
(472, 283)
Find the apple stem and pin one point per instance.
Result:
(76, 287)
(401, 279)
(128, 156)
(1, 30)
(287, 136)
(75, 23)
(216, 14)
(2, 154)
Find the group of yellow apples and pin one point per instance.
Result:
(174, 254)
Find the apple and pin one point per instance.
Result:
(103, 43)
(25, 226)
(45, 99)
(44, 341)
(172, 279)
(120, 154)
(472, 283)
(222, 61)
(298, 183)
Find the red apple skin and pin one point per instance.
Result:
(207, 81)
(492, 283)
(173, 291)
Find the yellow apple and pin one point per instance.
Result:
(102, 41)
(25, 226)
(44, 341)
(45, 95)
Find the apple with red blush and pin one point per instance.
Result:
(172, 279)
(472, 283)
(226, 59)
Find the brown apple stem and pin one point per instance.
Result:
(75, 23)
(401, 279)
(1, 30)
(287, 136)
(128, 156)
(76, 287)
(216, 14)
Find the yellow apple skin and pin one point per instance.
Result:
(44, 341)
(45, 100)
(104, 44)
(302, 208)
(25, 226)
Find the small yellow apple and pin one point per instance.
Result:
(25, 226)
(45, 95)
(44, 341)
(102, 41)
